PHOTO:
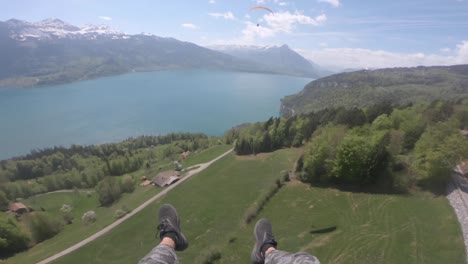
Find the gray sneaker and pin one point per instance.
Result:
(169, 226)
(264, 239)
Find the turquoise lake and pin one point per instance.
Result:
(114, 108)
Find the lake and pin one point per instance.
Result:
(155, 103)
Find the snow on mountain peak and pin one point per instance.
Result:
(56, 28)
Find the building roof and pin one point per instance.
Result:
(166, 178)
(17, 206)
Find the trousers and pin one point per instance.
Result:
(163, 254)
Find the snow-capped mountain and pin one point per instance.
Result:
(281, 58)
(56, 28)
(52, 52)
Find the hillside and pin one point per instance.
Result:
(337, 227)
(53, 51)
(281, 58)
(367, 87)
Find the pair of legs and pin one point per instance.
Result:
(264, 250)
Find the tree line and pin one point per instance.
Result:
(85, 166)
(383, 145)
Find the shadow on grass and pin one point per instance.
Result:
(323, 230)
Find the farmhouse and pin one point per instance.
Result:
(18, 208)
(165, 178)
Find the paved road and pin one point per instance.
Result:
(135, 211)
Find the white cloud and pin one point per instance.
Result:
(283, 3)
(335, 3)
(189, 25)
(252, 31)
(212, 1)
(228, 15)
(273, 24)
(286, 22)
(365, 58)
(105, 18)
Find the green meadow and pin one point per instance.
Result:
(336, 226)
(84, 200)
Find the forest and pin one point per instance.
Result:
(385, 147)
(85, 166)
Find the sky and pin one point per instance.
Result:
(336, 34)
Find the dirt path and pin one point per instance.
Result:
(191, 173)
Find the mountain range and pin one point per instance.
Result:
(399, 86)
(282, 57)
(53, 51)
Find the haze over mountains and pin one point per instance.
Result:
(52, 52)
(282, 57)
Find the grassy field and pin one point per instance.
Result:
(81, 203)
(77, 231)
(338, 227)
(205, 155)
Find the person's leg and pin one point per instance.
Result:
(171, 238)
(162, 254)
(265, 251)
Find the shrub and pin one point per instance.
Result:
(258, 206)
(89, 217)
(108, 191)
(43, 226)
(3, 201)
(67, 213)
(119, 213)
(127, 185)
(12, 239)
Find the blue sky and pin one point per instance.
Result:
(334, 33)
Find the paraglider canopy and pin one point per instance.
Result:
(261, 8)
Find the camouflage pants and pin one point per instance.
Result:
(164, 254)
(283, 257)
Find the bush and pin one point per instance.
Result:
(89, 217)
(12, 239)
(119, 213)
(3, 201)
(258, 206)
(67, 214)
(108, 191)
(127, 184)
(43, 226)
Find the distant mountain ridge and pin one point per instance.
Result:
(53, 52)
(281, 58)
(56, 28)
(367, 87)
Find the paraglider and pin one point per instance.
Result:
(261, 8)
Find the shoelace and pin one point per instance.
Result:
(162, 226)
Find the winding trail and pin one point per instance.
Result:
(108, 228)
